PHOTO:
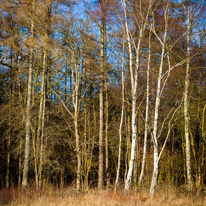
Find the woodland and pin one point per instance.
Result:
(103, 94)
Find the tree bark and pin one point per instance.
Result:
(146, 114)
(75, 78)
(101, 103)
(133, 77)
(28, 117)
(106, 115)
(156, 112)
(121, 122)
(133, 86)
(186, 116)
(42, 118)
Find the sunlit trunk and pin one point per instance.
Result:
(133, 78)
(101, 104)
(28, 134)
(39, 130)
(134, 127)
(156, 113)
(78, 151)
(43, 101)
(186, 116)
(121, 122)
(146, 114)
(75, 77)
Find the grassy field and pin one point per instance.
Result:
(68, 196)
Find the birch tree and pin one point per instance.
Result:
(146, 114)
(101, 95)
(194, 15)
(40, 130)
(121, 123)
(157, 101)
(134, 78)
(186, 117)
(28, 108)
(166, 50)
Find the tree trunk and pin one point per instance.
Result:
(43, 102)
(121, 122)
(186, 117)
(101, 104)
(146, 115)
(156, 112)
(128, 126)
(28, 134)
(106, 135)
(78, 151)
(133, 77)
(134, 127)
(106, 115)
(39, 130)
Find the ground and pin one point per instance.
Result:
(51, 196)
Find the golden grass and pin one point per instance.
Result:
(67, 196)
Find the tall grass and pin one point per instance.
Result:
(68, 196)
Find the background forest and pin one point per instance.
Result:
(102, 93)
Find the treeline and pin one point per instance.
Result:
(100, 93)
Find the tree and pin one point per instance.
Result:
(28, 117)
(121, 122)
(188, 164)
(101, 97)
(146, 114)
(134, 77)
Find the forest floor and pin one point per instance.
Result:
(94, 197)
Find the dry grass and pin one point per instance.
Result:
(65, 197)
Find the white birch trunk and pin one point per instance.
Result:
(187, 139)
(157, 102)
(134, 128)
(146, 115)
(121, 122)
(155, 142)
(78, 151)
(43, 101)
(28, 134)
(133, 77)
(75, 78)
(39, 130)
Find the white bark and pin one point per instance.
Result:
(43, 101)
(157, 102)
(28, 134)
(133, 77)
(101, 101)
(134, 128)
(39, 130)
(121, 122)
(75, 78)
(146, 115)
(187, 139)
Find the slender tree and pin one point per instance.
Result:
(121, 123)
(28, 109)
(133, 78)
(146, 114)
(186, 116)
(101, 96)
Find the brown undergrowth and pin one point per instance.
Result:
(68, 196)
